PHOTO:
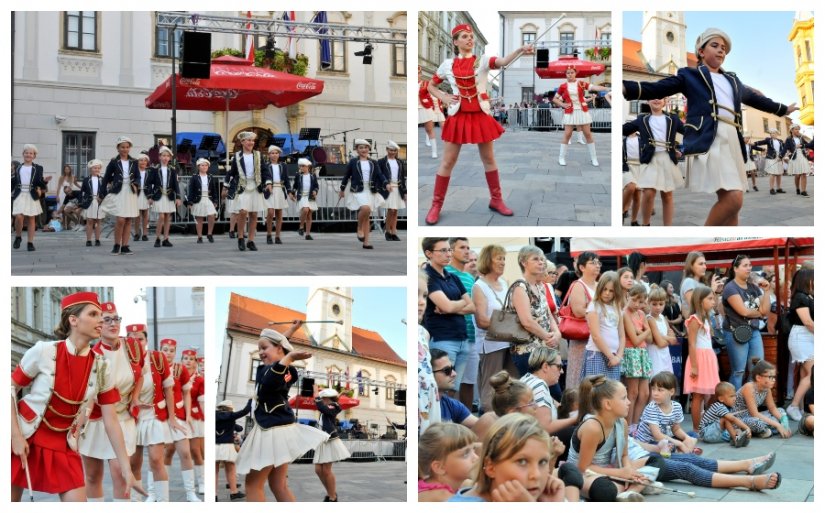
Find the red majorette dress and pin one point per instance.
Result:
(429, 108)
(125, 368)
(61, 382)
(470, 120)
(182, 385)
(152, 427)
(197, 392)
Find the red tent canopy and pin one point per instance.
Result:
(557, 69)
(308, 403)
(235, 84)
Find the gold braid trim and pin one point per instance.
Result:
(101, 373)
(59, 430)
(51, 409)
(134, 358)
(256, 163)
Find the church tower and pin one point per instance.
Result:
(663, 40)
(331, 304)
(802, 37)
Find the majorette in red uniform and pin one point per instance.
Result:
(183, 412)
(429, 112)
(64, 376)
(470, 119)
(189, 358)
(571, 97)
(155, 408)
(124, 360)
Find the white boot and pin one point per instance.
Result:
(199, 479)
(562, 154)
(591, 148)
(427, 140)
(189, 485)
(162, 491)
(581, 138)
(150, 488)
(134, 496)
(435, 150)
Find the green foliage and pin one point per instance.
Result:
(281, 62)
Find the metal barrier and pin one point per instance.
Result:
(544, 119)
(369, 450)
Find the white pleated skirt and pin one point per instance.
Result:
(394, 200)
(426, 115)
(94, 211)
(365, 198)
(204, 208)
(721, 168)
(164, 205)
(277, 200)
(197, 428)
(124, 203)
(142, 201)
(660, 174)
(305, 202)
(277, 446)
(799, 165)
(228, 208)
(331, 451)
(226, 452)
(184, 434)
(250, 201)
(94, 442)
(774, 166)
(750, 166)
(632, 176)
(26, 205)
(577, 117)
(151, 430)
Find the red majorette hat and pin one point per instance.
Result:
(200, 360)
(136, 328)
(169, 342)
(108, 307)
(461, 28)
(79, 298)
(189, 352)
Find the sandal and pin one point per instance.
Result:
(759, 467)
(742, 439)
(768, 480)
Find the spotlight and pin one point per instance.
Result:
(366, 54)
(269, 50)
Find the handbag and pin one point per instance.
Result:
(504, 323)
(572, 327)
(743, 333)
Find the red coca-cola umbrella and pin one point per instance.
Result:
(558, 68)
(308, 403)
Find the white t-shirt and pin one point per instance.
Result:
(204, 184)
(306, 183)
(249, 164)
(124, 166)
(26, 174)
(394, 169)
(276, 172)
(658, 125)
(365, 171)
(724, 95)
(495, 298)
(632, 145)
(608, 326)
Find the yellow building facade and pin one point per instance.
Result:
(802, 37)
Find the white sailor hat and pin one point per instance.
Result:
(276, 338)
(392, 145)
(328, 392)
(273, 147)
(361, 142)
(304, 162)
(795, 125)
(226, 404)
(164, 149)
(773, 131)
(202, 161)
(247, 135)
(709, 34)
(123, 139)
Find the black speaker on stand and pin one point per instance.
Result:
(307, 385)
(399, 398)
(542, 57)
(197, 55)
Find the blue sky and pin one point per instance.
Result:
(375, 308)
(761, 56)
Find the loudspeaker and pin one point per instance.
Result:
(197, 54)
(306, 387)
(542, 57)
(399, 398)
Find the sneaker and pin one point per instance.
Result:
(794, 413)
(804, 193)
(630, 497)
(231, 235)
(97, 243)
(236, 496)
(166, 243)
(29, 246)
(241, 245)
(308, 237)
(780, 191)
(116, 249)
(773, 192)
(136, 237)
(634, 223)
(88, 244)
(388, 236)
(395, 237)
(301, 231)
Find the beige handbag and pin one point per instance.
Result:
(504, 323)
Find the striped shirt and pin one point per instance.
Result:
(653, 414)
(541, 393)
(713, 415)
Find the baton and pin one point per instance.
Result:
(23, 458)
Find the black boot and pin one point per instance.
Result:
(269, 239)
(17, 241)
(157, 243)
(29, 246)
(241, 245)
(251, 246)
(116, 249)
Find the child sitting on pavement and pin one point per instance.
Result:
(719, 421)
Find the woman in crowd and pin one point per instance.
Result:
(578, 296)
(801, 337)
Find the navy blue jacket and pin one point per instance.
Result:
(113, 177)
(225, 424)
(284, 177)
(193, 190)
(236, 169)
(790, 146)
(328, 413)
(771, 151)
(36, 183)
(298, 186)
(86, 192)
(272, 402)
(696, 85)
(646, 147)
(154, 183)
(384, 166)
(356, 181)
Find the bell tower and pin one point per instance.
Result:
(331, 304)
(663, 40)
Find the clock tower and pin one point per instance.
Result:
(331, 304)
(663, 40)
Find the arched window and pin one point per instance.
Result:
(391, 381)
(364, 385)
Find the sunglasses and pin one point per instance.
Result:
(448, 370)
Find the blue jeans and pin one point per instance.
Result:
(458, 351)
(740, 355)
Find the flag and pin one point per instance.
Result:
(346, 377)
(326, 44)
(250, 40)
(292, 43)
(360, 383)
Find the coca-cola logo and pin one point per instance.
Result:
(309, 86)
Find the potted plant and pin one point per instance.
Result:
(281, 61)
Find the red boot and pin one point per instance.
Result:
(441, 184)
(496, 202)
